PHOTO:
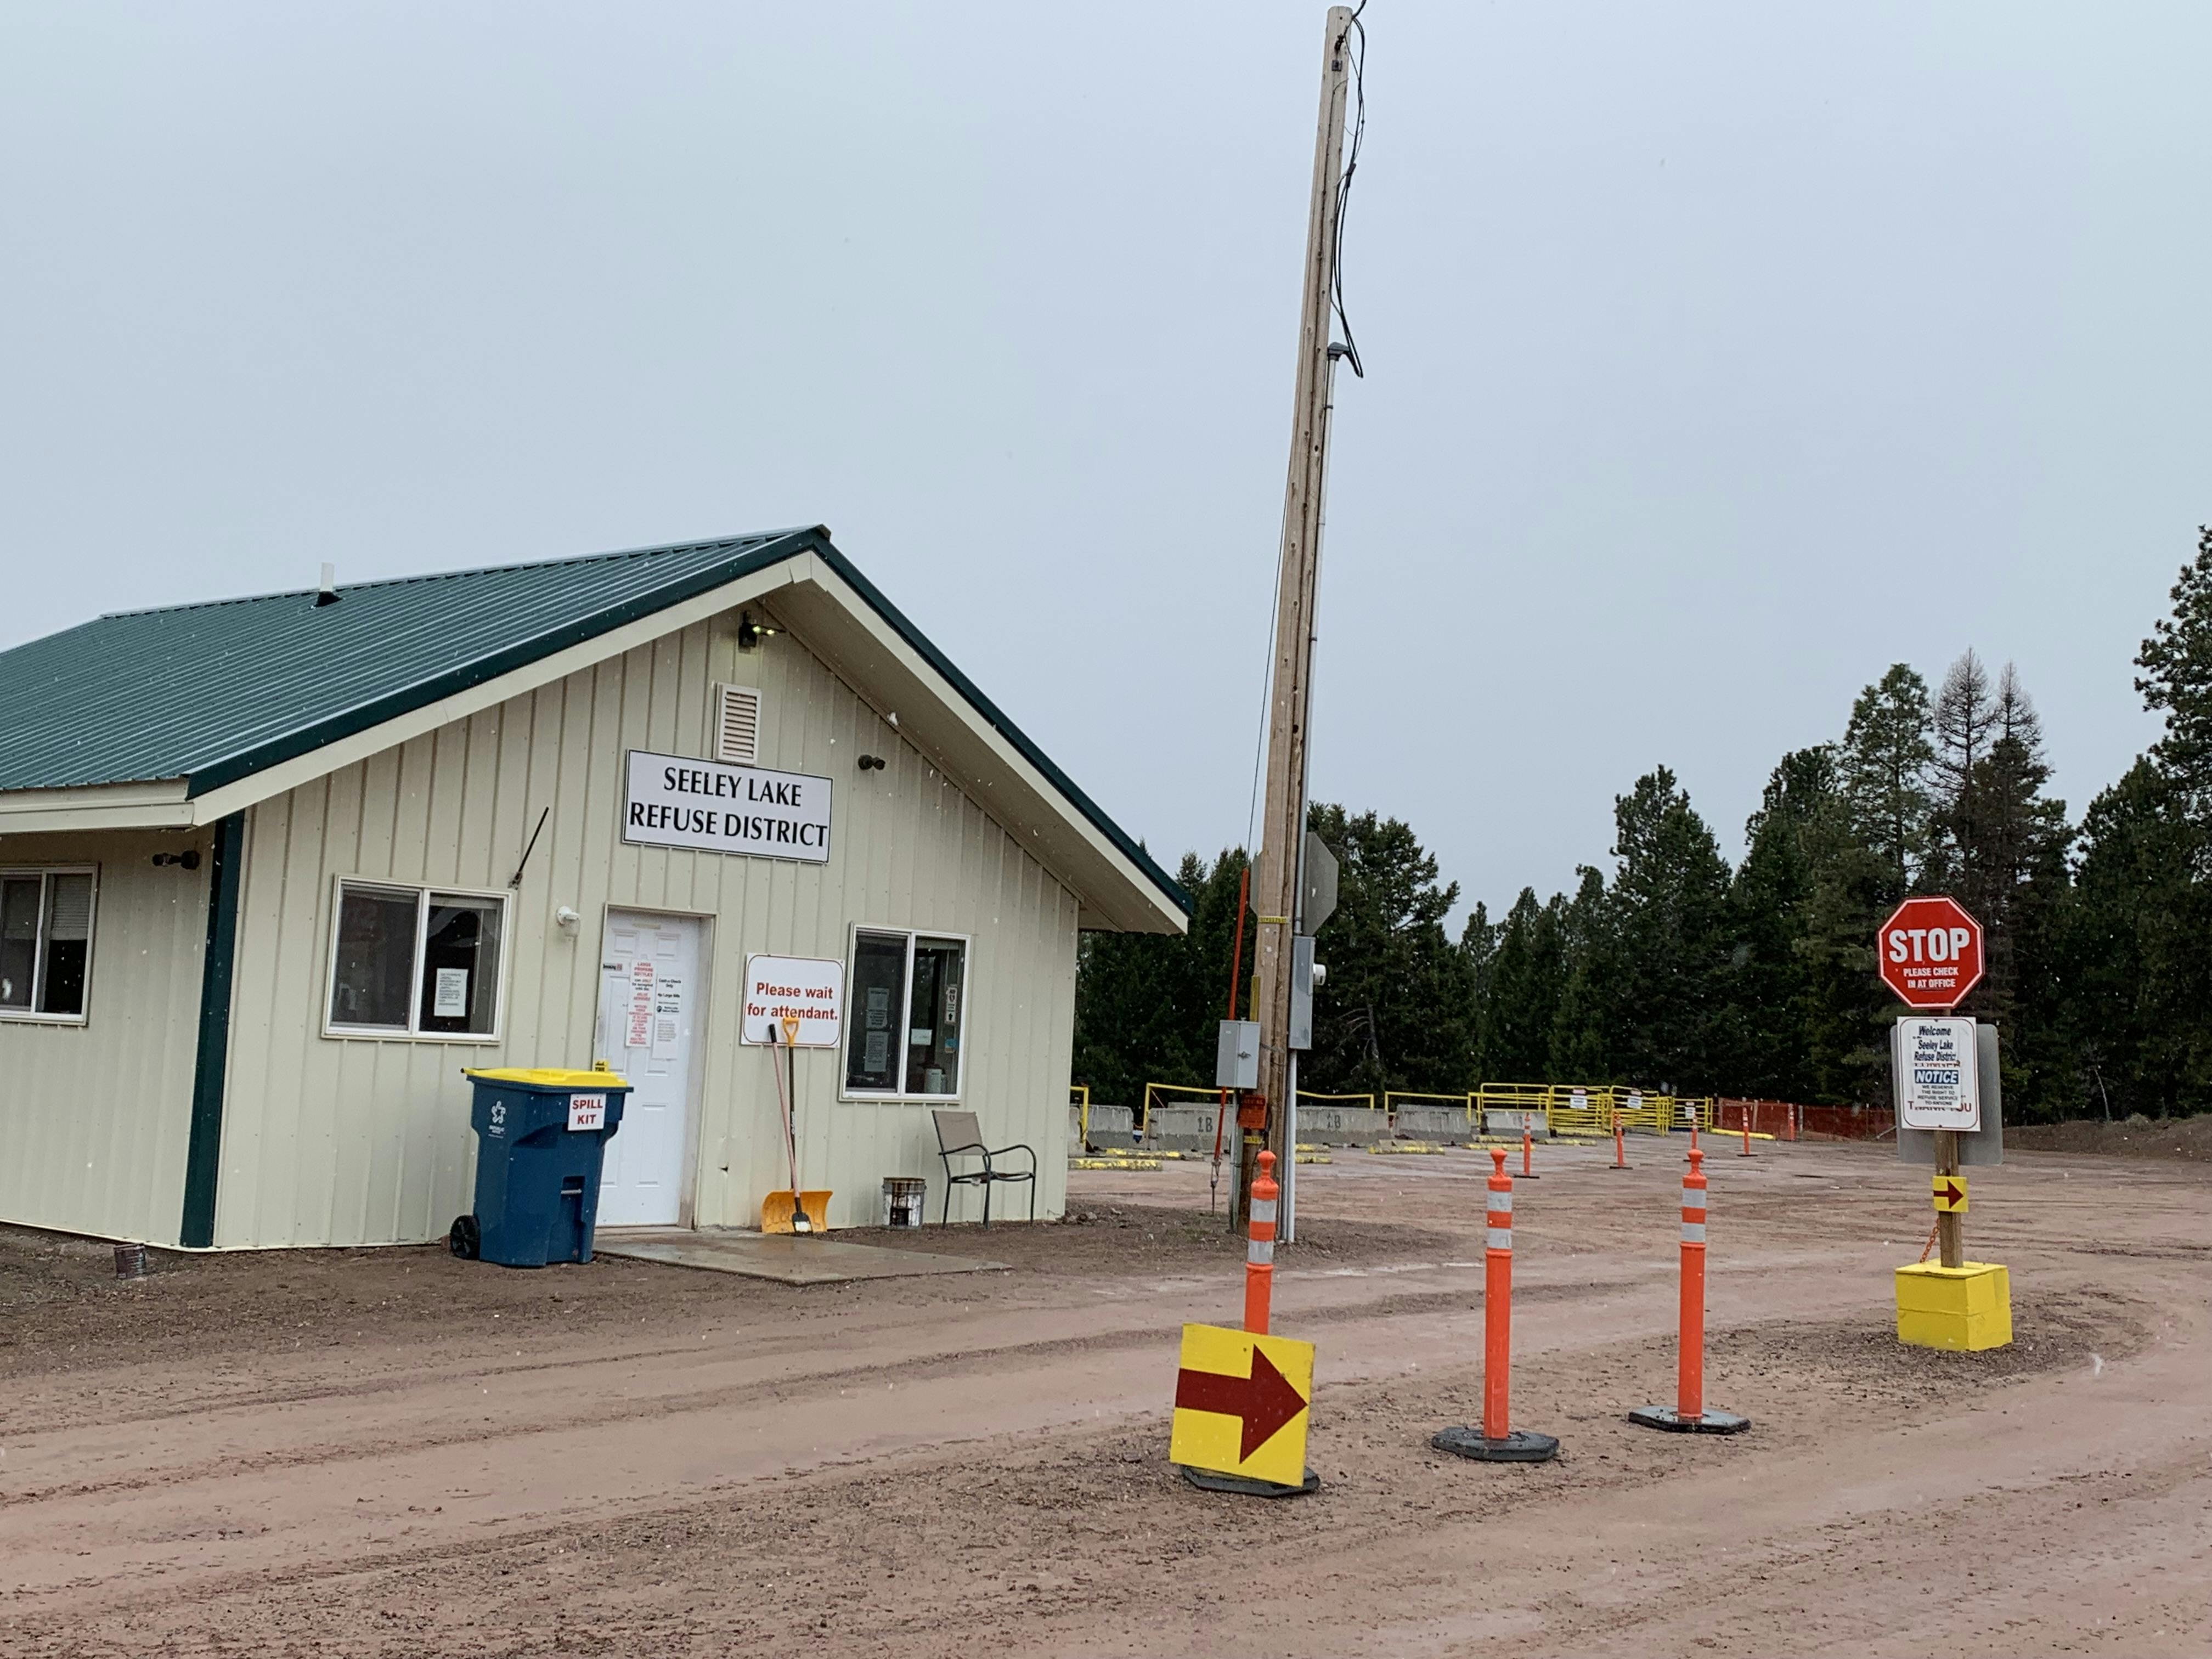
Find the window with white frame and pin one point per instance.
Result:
(903, 1023)
(46, 942)
(416, 962)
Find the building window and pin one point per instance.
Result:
(416, 962)
(905, 1019)
(45, 943)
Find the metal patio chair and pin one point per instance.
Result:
(958, 1135)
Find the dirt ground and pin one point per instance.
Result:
(394, 1453)
(2133, 1136)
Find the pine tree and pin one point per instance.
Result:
(1520, 995)
(1882, 770)
(1964, 721)
(2138, 974)
(1583, 1032)
(2176, 661)
(1146, 1005)
(1397, 1010)
(1788, 843)
(1672, 1018)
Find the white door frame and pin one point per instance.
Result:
(687, 1200)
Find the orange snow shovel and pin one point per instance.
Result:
(791, 1210)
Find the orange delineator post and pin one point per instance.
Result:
(1690, 1358)
(1498, 1441)
(1527, 1152)
(1689, 1415)
(1497, 1301)
(1747, 1151)
(1259, 1248)
(1619, 1146)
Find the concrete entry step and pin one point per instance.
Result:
(787, 1258)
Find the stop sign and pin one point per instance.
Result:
(1930, 952)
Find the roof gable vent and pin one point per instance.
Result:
(737, 725)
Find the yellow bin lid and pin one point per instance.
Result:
(551, 1077)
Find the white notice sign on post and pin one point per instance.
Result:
(1936, 1084)
(811, 987)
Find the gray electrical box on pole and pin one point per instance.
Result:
(1302, 984)
(1237, 1055)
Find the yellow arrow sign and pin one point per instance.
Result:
(1240, 1404)
(1951, 1194)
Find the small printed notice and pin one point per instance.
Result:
(1936, 1084)
(639, 1035)
(809, 988)
(587, 1111)
(450, 998)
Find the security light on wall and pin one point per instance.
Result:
(751, 633)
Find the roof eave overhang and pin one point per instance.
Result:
(842, 617)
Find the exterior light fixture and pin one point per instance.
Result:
(751, 633)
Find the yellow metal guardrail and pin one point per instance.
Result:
(1593, 1108)
(1079, 1096)
(1569, 1109)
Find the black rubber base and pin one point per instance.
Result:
(1519, 1446)
(1207, 1480)
(1666, 1418)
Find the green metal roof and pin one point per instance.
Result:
(215, 692)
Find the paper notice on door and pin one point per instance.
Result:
(639, 1035)
(668, 1015)
(450, 999)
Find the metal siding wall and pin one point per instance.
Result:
(352, 1141)
(95, 1117)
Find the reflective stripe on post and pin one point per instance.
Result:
(1260, 1246)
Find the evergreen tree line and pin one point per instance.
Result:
(1678, 969)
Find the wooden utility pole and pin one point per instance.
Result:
(1950, 1228)
(1274, 894)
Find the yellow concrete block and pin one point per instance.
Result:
(1963, 1308)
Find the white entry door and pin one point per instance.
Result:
(649, 995)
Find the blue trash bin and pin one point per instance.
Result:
(537, 1178)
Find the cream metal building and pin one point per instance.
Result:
(274, 870)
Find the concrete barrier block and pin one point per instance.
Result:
(1499, 1121)
(1343, 1126)
(1432, 1122)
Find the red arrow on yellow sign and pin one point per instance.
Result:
(1950, 1194)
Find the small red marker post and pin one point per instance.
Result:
(1259, 1248)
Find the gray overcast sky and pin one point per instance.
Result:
(1718, 355)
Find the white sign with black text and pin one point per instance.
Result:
(675, 800)
(1936, 1084)
(810, 988)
